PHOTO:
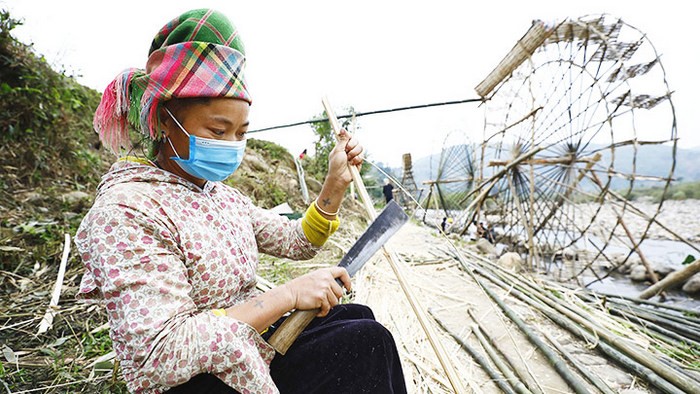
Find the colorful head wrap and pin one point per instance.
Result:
(198, 54)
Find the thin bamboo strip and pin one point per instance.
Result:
(594, 379)
(398, 268)
(429, 371)
(375, 285)
(500, 362)
(480, 359)
(524, 373)
(47, 321)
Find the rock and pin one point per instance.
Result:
(566, 254)
(662, 269)
(511, 261)
(313, 185)
(625, 267)
(692, 285)
(485, 247)
(638, 273)
(74, 197)
(257, 164)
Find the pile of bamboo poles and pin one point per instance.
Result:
(528, 335)
(658, 344)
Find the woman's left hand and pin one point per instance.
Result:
(346, 151)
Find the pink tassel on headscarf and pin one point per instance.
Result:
(111, 119)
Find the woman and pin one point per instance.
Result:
(172, 252)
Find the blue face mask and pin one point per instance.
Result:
(210, 159)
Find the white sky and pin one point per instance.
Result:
(367, 54)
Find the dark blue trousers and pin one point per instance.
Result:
(345, 352)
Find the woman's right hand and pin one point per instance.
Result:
(318, 289)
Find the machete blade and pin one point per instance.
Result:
(384, 226)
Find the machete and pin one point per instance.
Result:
(384, 226)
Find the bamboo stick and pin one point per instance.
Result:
(565, 160)
(398, 268)
(456, 180)
(524, 373)
(635, 247)
(594, 379)
(478, 357)
(427, 203)
(672, 279)
(47, 321)
(526, 223)
(500, 362)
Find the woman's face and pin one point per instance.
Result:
(215, 118)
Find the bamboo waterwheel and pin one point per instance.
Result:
(577, 116)
(455, 175)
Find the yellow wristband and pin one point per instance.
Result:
(317, 228)
(219, 312)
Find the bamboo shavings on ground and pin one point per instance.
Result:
(376, 286)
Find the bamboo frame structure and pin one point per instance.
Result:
(561, 89)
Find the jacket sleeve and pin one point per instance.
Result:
(279, 236)
(159, 335)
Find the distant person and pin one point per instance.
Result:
(388, 191)
(302, 155)
(484, 232)
(443, 225)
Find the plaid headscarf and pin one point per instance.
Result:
(198, 54)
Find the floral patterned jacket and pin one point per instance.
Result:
(161, 253)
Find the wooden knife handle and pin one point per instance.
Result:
(290, 329)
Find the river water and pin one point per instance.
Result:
(659, 247)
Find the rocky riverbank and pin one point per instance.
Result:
(670, 233)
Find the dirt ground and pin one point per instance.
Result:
(444, 288)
